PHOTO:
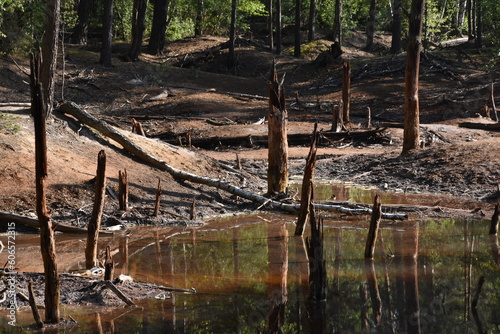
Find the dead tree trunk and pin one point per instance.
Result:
(493, 106)
(346, 90)
(123, 190)
(411, 135)
(337, 119)
(373, 232)
(108, 265)
(494, 220)
(307, 185)
(158, 198)
(95, 218)
(277, 173)
(47, 242)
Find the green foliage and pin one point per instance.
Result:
(8, 123)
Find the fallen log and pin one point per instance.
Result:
(480, 126)
(109, 131)
(295, 139)
(31, 222)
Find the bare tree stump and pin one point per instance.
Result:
(109, 265)
(374, 224)
(123, 189)
(95, 218)
(158, 198)
(492, 100)
(192, 214)
(337, 118)
(494, 220)
(47, 240)
(307, 185)
(238, 162)
(33, 306)
(277, 173)
(137, 128)
(368, 117)
(346, 91)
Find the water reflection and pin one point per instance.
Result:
(255, 278)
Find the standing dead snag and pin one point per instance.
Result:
(411, 136)
(95, 218)
(108, 265)
(47, 242)
(492, 100)
(337, 119)
(123, 189)
(307, 185)
(346, 91)
(277, 173)
(373, 232)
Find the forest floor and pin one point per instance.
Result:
(189, 89)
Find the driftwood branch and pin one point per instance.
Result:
(120, 294)
(107, 130)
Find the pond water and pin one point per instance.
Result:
(252, 276)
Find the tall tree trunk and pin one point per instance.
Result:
(411, 135)
(82, 27)
(337, 24)
(232, 34)
(370, 27)
(107, 33)
(346, 91)
(271, 25)
(95, 218)
(47, 241)
(479, 25)
(138, 26)
(277, 173)
(159, 27)
(470, 29)
(312, 21)
(198, 25)
(49, 54)
(396, 44)
(298, 9)
(278, 27)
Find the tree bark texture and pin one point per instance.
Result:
(82, 27)
(312, 21)
(346, 91)
(232, 34)
(298, 9)
(411, 135)
(95, 218)
(278, 27)
(337, 119)
(396, 43)
(138, 26)
(373, 231)
(307, 185)
(107, 33)
(370, 27)
(128, 145)
(123, 189)
(47, 242)
(337, 24)
(277, 173)
(49, 53)
(159, 27)
(270, 24)
(109, 265)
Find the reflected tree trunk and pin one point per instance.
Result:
(158, 253)
(400, 284)
(123, 255)
(278, 274)
(495, 249)
(236, 253)
(371, 279)
(410, 259)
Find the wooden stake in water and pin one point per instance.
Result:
(374, 224)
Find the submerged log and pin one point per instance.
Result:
(107, 130)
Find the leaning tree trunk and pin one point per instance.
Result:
(47, 243)
(411, 136)
(159, 27)
(107, 33)
(138, 26)
(49, 56)
(277, 173)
